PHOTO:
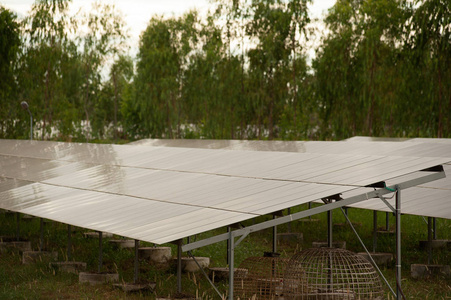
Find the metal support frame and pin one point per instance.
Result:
(69, 242)
(179, 266)
(17, 226)
(434, 228)
(274, 236)
(429, 240)
(398, 244)
(136, 275)
(229, 229)
(367, 252)
(376, 193)
(205, 274)
(315, 210)
(100, 251)
(374, 231)
(389, 206)
(41, 235)
(329, 229)
(232, 244)
(289, 224)
(231, 262)
(387, 221)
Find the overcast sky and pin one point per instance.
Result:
(137, 13)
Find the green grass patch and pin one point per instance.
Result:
(39, 281)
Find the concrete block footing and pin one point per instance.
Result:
(74, 267)
(189, 265)
(436, 244)
(157, 255)
(97, 278)
(335, 244)
(35, 256)
(381, 259)
(418, 271)
(10, 244)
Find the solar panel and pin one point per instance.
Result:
(161, 194)
(431, 199)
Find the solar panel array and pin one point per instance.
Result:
(161, 194)
(432, 199)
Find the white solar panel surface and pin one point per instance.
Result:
(161, 194)
(432, 199)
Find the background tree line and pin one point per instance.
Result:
(382, 68)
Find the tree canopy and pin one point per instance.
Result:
(381, 68)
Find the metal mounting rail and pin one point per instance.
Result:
(439, 173)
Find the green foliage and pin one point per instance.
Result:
(157, 83)
(382, 68)
(106, 39)
(9, 46)
(38, 280)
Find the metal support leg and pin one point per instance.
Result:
(69, 243)
(398, 245)
(289, 224)
(374, 231)
(41, 236)
(17, 226)
(179, 266)
(100, 252)
(274, 237)
(229, 229)
(231, 264)
(429, 240)
(434, 228)
(329, 229)
(387, 221)
(136, 277)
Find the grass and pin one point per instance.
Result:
(39, 281)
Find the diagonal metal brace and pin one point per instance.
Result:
(246, 233)
(387, 203)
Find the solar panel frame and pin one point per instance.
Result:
(160, 194)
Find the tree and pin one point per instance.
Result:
(355, 94)
(40, 73)
(269, 60)
(430, 57)
(105, 39)
(162, 58)
(121, 74)
(9, 46)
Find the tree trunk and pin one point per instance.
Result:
(295, 96)
(115, 107)
(440, 114)
(86, 103)
(371, 94)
